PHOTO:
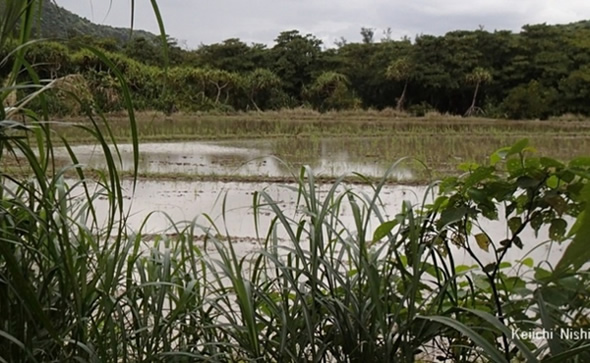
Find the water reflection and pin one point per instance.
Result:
(229, 205)
(273, 158)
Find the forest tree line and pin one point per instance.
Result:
(540, 72)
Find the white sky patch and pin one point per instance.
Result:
(261, 21)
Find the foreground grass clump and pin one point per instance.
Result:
(77, 284)
(74, 285)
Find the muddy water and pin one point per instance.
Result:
(230, 206)
(270, 158)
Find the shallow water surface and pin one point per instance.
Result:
(271, 158)
(230, 207)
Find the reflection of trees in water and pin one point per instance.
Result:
(225, 159)
(334, 156)
(311, 150)
(278, 157)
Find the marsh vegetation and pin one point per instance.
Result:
(350, 270)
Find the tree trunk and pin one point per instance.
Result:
(402, 98)
(475, 96)
(472, 107)
(252, 95)
(220, 88)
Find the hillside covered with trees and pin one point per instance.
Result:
(540, 72)
(58, 22)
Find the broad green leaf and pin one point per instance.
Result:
(448, 185)
(383, 230)
(577, 225)
(440, 202)
(532, 163)
(514, 224)
(477, 195)
(483, 241)
(557, 203)
(528, 262)
(557, 229)
(514, 166)
(517, 242)
(481, 282)
(542, 274)
(551, 163)
(478, 175)
(527, 182)
(463, 268)
(567, 176)
(490, 267)
(451, 215)
(553, 182)
(555, 298)
(578, 253)
(580, 162)
(499, 155)
(518, 147)
(536, 221)
(468, 166)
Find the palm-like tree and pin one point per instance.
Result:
(477, 77)
(401, 70)
(259, 81)
(330, 91)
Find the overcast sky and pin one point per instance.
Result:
(193, 22)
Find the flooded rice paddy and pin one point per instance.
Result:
(424, 157)
(275, 158)
(230, 204)
(230, 207)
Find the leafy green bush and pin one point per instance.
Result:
(531, 101)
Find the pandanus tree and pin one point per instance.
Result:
(401, 70)
(48, 58)
(330, 91)
(477, 77)
(259, 82)
(221, 81)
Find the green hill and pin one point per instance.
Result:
(57, 22)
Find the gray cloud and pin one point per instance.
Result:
(196, 22)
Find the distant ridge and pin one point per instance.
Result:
(58, 22)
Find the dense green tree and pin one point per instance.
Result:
(49, 59)
(575, 91)
(144, 50)
(547, 55)
(330, 91)
(367, 35)
(258, 85)
(294, 59)
(231, 55)
(150, 51)
(539, 72)
(79, 41)
(531, 101)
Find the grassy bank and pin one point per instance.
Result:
(369, 138)
(155, 126)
